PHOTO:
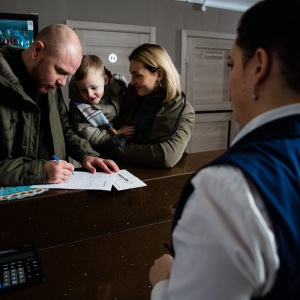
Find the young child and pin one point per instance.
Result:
(95, 99)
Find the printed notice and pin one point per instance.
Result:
(125, 180)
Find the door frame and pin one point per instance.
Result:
(87, 25)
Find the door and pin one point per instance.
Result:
(113, 43)
(205, 73)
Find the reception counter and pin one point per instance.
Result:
(98, 244)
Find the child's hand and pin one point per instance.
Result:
(113, 131)
(128, 131)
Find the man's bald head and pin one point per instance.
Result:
(54, 55)
(58, 37)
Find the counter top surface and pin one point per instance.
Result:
(98, 244)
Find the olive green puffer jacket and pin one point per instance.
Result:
(164, 139)
(19, 129)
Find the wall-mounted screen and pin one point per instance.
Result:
(18, 30)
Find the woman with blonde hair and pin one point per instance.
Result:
(157, 107)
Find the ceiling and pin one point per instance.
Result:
(240, 5)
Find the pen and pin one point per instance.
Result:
(57, 159)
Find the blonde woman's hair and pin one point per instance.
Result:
(89, 64)
(155, 57)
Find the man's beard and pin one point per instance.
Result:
(41, 87)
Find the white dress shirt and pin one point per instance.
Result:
(224, 243)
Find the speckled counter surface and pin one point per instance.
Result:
(96, 244)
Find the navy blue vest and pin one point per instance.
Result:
(270, 157)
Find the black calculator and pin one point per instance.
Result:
(19, 268)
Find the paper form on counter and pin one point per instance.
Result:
(84, 181)
(123, 180)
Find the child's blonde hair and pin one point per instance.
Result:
(89, 64)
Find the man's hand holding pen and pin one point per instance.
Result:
(58, 171)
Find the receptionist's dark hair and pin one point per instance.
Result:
(273, 25)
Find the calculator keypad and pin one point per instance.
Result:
(19, 272)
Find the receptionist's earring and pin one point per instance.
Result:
(254, 96)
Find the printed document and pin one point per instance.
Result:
(125, 180)
(84, 181)
(99, 181)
